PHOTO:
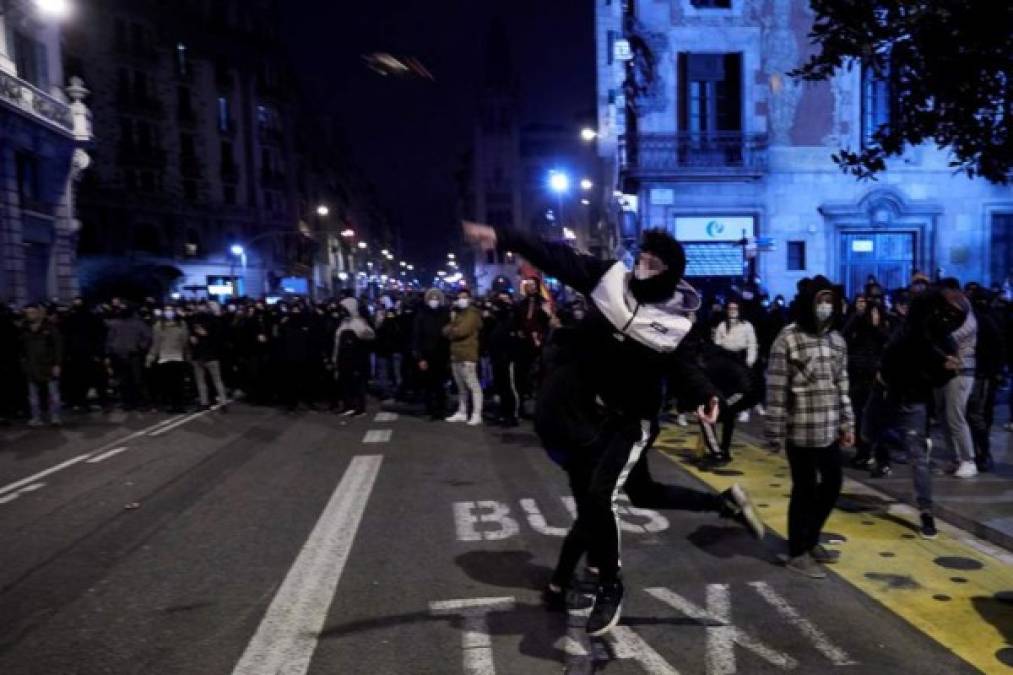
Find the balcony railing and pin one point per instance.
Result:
(714, 154)
(35, 102)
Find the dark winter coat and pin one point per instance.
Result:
(206, 342)
(990, 347)
(429, 342)
(127, 336)
(866, 343)
(41, 350)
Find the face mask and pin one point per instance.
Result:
(733, 314)
(824, 311)
(433, 304)
(578, 315)
(462, 303)
(169, 315)
(642, 272)
(157, 312)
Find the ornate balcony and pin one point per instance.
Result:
(714, 155)
(35, 103)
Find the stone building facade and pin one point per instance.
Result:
(44, 130)
(705, 135)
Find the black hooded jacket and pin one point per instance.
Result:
(622, 350)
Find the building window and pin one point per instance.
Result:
(123, 85)
(796, 256)
(876, 103)
(184, 103)
(147, 181)
(140, 86)
(31, 60)
(712, 4)
(710, 93)
(120, 30)
(229, 195)
(190, 190)
(187, 149)
(1002, 249)
(223, 113)
(27, 168)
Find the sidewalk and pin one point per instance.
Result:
(983, 505)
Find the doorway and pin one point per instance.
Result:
(887, 256)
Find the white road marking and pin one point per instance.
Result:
(377, 436)
(476, 644)
(6, 499)
(628, 645)
(537, 521)
(722, 634)
(11, 487)
(466, 518)
(106, 455)
(188, 418)
(835, 654)
(287, 635)
(385, 417)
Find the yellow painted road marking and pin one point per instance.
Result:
(959, 596)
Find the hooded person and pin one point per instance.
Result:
(598, 406)
(809, 414)
(431, 351)
(351, 357)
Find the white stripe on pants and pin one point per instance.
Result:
(466, 379)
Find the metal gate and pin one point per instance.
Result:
(887, 256)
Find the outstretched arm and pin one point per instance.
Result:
(577, 270)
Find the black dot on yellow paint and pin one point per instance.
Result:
(764, 506)
(868, 522)
(1005, 656)
(941, 598)
(958, 580)
(908, 536)
(956, 562)
(887, 554)
(775, 485)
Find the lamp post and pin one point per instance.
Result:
(559, 183)
(239, 252)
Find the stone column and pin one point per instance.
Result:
(6, 62)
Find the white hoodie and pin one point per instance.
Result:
(739, 337)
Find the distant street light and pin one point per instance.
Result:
(348, 233)
(237, 250)
(586, 184)
(53, 9)
(404, 264)
(411, 268)
(363, 245)
(451, 256)
(323, 211)
(441, 273)
(385, 253)
(569, 234)
(585, 202)
(559, 182)
(587, 134)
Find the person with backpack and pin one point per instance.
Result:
(351, 357)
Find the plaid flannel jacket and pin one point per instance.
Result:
(807, 389)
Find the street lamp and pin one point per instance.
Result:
(586, 184)
(237, 250)
(53, 9)
(587, 134)
(559, 183)
(363, 245)
(451, 256)
(323, 211)
(348, 233)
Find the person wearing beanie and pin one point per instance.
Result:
(597, 409)
(809, 414)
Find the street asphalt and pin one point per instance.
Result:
(252, 541)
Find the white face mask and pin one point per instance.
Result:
(642, 271)
(824, 311)
(733, 314)
(433, 304)
(462, 303)
(169, 315)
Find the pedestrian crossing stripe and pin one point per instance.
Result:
(968, 612)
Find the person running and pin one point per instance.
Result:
(463, 333)
(603, 405)
(809, 414)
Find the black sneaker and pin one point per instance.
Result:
(554, 601)
(824, 555)
(928, 529)
(608, 605)
(739, 507)
(881, 472)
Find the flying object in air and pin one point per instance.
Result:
(386, 64)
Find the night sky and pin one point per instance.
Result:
(408, 135)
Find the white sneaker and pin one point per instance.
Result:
(743, 417)
(458, 417)
(475, 421)
(681, 420)
(966, 470)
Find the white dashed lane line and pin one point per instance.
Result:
(385, 417)
(105, 455)
(377, 436)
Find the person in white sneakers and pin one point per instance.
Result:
(736, 335)
(463, 332)
(951, 398)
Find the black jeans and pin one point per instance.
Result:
(172, 382)
(129, 371)
(434, 383)
(352, 383)
(816, 479)
(981, 415)
(505, 386)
